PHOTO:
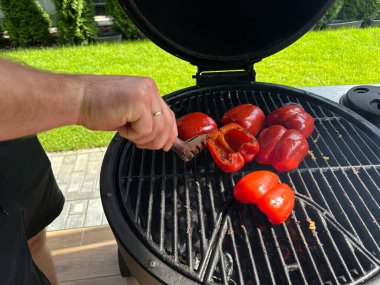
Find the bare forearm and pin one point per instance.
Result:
(32, 101)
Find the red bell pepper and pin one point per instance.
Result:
(249, 116)
(231, 146)
(283, 148)
(195, 124)
(292, 117)
(263, 188)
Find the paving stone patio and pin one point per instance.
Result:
(77, 174)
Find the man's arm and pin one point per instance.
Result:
(32, 101)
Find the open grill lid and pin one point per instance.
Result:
(224, 34)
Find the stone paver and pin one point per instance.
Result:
(81, 162)
(94, 213)
(95, 205)
(78, 207)
(75, 221)
(60, 222)
(93, 218)
(77, 174)
(75, 182)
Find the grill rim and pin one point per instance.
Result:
(120, 228)
(108, 184)
(335, 107)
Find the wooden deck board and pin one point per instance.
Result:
(109, 280)
(86, 256)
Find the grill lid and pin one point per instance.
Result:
(224, 34)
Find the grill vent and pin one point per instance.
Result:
(185, 213)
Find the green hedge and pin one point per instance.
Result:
(1, 36)
(26, 22)
(350, 10)
(331, 14)
(121, 21)
(75, 21)
(359, 9)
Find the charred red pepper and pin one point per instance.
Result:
(263, 188)
(283, 148)
(249, 116)
(195, 124)
(292, 117)
(232, 146)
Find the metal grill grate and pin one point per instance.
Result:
(184, 212)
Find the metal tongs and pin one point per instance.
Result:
(186, 150)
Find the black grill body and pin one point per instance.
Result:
(180, 222)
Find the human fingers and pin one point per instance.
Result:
(173, 134)
(139, 131)
(158, 114)
(143, 129)
(162, 126)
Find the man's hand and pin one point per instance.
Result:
(130, 105)
(33, 101)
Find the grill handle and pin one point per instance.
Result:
(210, 77)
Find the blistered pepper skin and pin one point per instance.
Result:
(292, 117)
(227, 162)
(254, 186)
(231, 147)
(195, 124)
(268, 140)
(282, 148)
(290, 151)
(249, 116)
(278, 203)
(263, 188)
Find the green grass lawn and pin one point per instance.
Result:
(319, 58)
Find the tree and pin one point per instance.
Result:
(122, 23)
(75, 18)
(330, 14)
(359, 9)
(26, 22)
(1, 36)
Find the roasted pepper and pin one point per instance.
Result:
(231, 147)
(195, 124)
(292, 117)
(263, 188)
(283, 148)
(249, 116)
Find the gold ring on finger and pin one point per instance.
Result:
(157, 114)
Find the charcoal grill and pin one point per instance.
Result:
(177, 222)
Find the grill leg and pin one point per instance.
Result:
(123, 267)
